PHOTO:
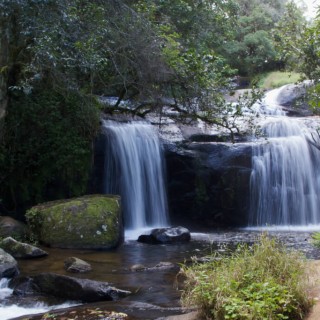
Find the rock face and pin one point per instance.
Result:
(10, 227)
(76, 265)
(209, 183)
(76, 289)
(8, 265)
(21, 250)
(89, 222)
(166, 235)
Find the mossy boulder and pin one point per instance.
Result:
(21, 250)
(88, 222)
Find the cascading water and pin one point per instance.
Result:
(285, 181)
(134, 169)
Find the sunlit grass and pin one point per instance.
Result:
(277, 79)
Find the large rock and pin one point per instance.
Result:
(8, 265)
(208, 184)
(166, 235)
(89, 222)
(21, 250)
(10, 227)
(70, 288)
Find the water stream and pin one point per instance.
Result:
(285, 179)
(134, 168)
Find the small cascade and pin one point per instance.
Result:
(285, 181)
(134, 169)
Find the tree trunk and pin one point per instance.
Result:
(4, 67)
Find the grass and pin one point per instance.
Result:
(277, 79)
(263, 281)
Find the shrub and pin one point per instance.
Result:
(262, 281)
(46, 150)
(316, 239)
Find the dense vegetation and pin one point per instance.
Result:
(57, 57)
(264, 281)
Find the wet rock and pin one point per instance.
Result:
(21, 250)
(188, 316)
(76, 265)
(80, 313)
(23, 286)
(71, 288)
(10, 227)
(8, 265)
(138, 267)
(208, 184)
(166, 235)
(88, 222)
(162, 266)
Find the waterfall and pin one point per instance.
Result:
(134, 169)
(285, 180)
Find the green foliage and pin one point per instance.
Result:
(263, 281)
(47, 146)
(251, 50)
(316, 239)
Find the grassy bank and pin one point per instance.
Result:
(277, 79)
(263, 281)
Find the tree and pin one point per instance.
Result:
(251, 51)
(288, 35)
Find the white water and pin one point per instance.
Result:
(134, 168)
(8, 311)
(285, 181)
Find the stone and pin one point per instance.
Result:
(138, 267)
(76, 265)
(23, 286)
(10, 227)
(88, 222)
(8, 265)
(21, 250)
(166, 235)
(161, 266)
(71, 288)
(195, 315)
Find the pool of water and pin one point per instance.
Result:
(150, 288)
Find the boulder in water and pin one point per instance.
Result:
(88, 222)
(21, 250)
(10, 227)
(76, 265)
(166, 235)
(71, 288)
(8, 265)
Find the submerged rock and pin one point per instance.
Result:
(162, 266)
(77, 289)
(8, 265)
(76, 265)
(10, 227)
(88, 222)
(166, 235)
(21, 250)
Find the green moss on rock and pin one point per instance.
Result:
(88, 222)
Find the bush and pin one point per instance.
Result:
(316, 239)
(46, 150)
(263, 281)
